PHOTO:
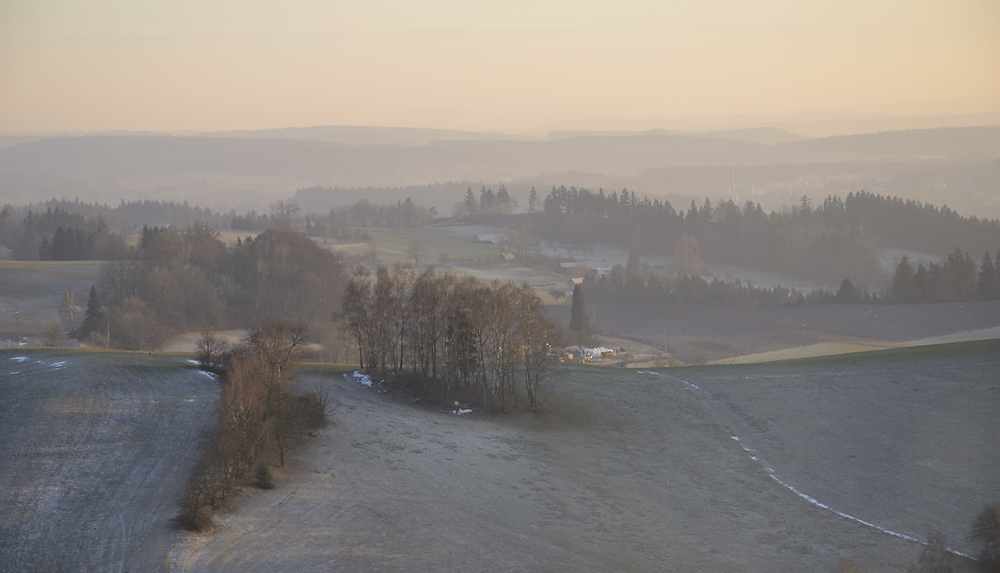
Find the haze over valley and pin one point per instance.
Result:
(434, 286)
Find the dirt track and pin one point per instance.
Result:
(625, 472)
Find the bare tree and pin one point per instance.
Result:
(120, 280)
(416, 252)
(71, 311)
(687, 259)
(285, 213)
(53, 335)
(935, 557)
(211, 350)
(133, 326)
(986, 532)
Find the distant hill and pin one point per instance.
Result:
(762, 135)
(276, 162)
(364, 135)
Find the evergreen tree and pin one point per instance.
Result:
(44, 250)
(903, 282)
(502, 201)
(532, 200)
(471, 205)
(987, 278)
(846, 292)
(579, 324)
(94, 319)
(632, 265)
(486, 200)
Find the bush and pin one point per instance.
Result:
(986, 531)
(196, 518)
(265, 479)
(312, 409)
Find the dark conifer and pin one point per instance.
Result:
(579, 324)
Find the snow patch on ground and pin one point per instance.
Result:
(192, 361)
(209, 374)
(19, 359)
(462, 411)
(362, 378)
(58, 365)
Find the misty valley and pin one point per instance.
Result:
(641, 351)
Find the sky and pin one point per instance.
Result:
(487, 65)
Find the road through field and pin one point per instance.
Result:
(96, 451)
(624, 471)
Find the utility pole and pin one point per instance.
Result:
(17, 322)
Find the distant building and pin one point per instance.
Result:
(592, 265)
(488, 239)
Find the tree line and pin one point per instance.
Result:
(836, 239)
(622, 286)
(457, 333)
(263, 413)
(958, 278)
(488, 203)
(58, 235)
(96, 231)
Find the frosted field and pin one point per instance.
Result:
(96, 452)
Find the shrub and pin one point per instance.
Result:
(265, 479)
(196, 518)
(986, 531)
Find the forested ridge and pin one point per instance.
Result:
(90, 231)
(839, 238)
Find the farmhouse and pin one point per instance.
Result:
(488, 239)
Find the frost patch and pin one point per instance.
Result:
(363, 379)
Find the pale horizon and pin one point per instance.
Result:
(502, 67)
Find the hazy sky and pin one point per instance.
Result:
(474, 64)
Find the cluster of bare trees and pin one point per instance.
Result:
(455, 331)
(187, 280)
(261, 413)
